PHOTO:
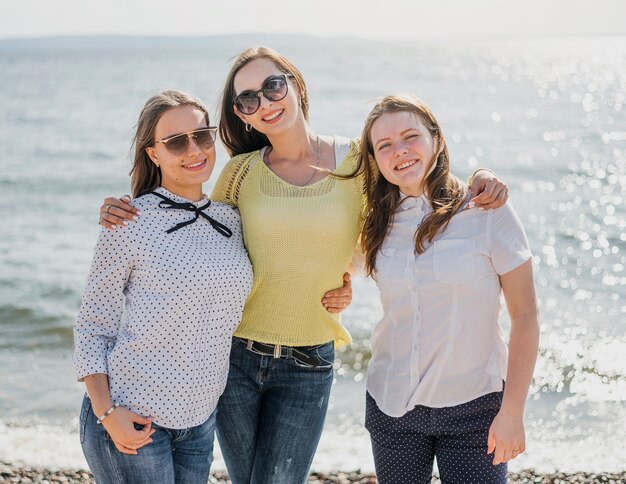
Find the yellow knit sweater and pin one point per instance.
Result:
(300, 241)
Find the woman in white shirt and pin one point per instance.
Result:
(439, 358)
(153, 336)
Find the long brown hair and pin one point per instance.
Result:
(232, 129)
(145, 176)
(445, 192)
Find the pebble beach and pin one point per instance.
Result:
(16, 474)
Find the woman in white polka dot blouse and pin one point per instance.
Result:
(439, 358)
(153, 336)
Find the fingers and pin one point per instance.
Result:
(336, 305)
(116, 213)
(337, 300)
(147, 429)
(147, 421)
(345, 290)
(491, 442)
(498, 198)
(494, 195)
(122, 203)
(138, 444)
(334, 310)
(139, 440)
(111, 221)
(124, 450)
(498, 455)
(501, 196)
(505, 451)
(484, 192)
(519, 449)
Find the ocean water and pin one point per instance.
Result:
(549, 115)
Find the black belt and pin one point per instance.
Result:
(280, 351)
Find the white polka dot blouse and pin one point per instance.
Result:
(159, 310)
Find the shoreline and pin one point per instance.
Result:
(19, 474)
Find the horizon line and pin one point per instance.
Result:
(499, 36)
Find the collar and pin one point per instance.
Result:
(179, 199)
(197, 208)
(408, 202)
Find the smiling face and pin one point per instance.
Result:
(182, 174)
(272, 117)
(404, 150)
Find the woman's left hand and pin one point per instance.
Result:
(506, 438)
(487, 191)
(339, 299)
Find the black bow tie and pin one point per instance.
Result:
(190, 207)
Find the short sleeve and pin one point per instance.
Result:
(226, 189)
(355, 152)
(358, 259)
(101, 308)
(509, 244)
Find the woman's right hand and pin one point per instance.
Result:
(120, 425)
(116, 212)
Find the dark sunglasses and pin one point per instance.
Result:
(178, 144)
(274, 88)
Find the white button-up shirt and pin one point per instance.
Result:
(159, 310)
(439, 343)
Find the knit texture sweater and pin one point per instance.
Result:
(300, 241)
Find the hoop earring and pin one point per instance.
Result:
(248, 127)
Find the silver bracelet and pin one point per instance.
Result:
(107, 413)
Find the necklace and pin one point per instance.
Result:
(315, 168)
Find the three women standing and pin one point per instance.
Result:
(302, 200)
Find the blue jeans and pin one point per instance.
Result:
(272, 413)
(405, 447)
(174, 456)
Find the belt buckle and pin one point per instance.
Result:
(276, 353)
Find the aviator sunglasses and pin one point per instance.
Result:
(274, 88)
(178, 144)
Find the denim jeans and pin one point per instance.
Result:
(271, 414)
(405, 447)
(174, 456)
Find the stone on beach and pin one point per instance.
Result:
(18, 474)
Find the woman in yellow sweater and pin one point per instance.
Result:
(302, 207)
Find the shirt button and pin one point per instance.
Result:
(415, 347)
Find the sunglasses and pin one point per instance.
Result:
(178, 144)
(274, 88)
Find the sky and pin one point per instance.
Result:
(378, 19)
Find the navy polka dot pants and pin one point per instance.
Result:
(405, 448)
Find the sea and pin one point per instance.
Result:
(547, 114)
